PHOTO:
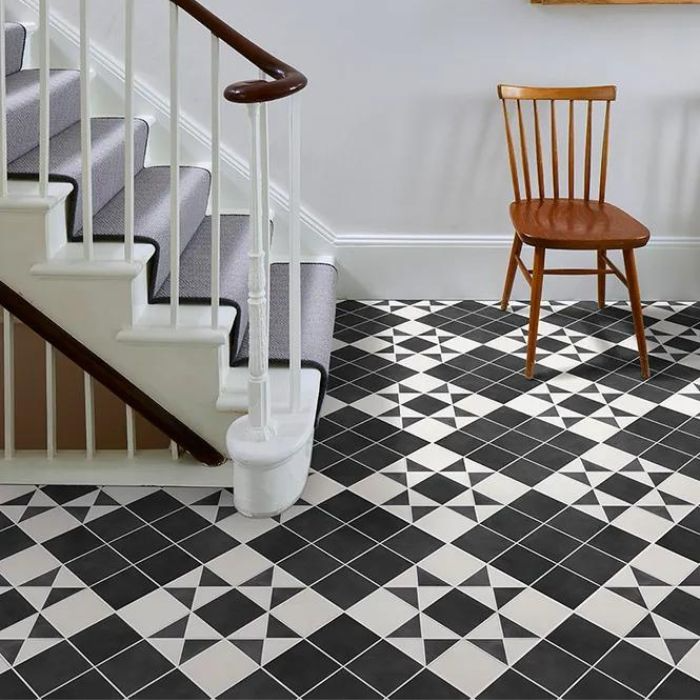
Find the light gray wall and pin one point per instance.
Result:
(402, 130)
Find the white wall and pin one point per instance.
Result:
(403, 140)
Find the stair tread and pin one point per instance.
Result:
(107, 159)
(23, 107)
(152, 213)
(318, 284)
(15, 37)
(195, 270)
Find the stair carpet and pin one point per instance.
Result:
(152, 213)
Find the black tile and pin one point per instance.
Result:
(458, 612)
(461, 442)
(155, 505)
(105, 639)
(343, 638)
(404, 443)
(258, 685)
(346, 543)
(667, 417)
(384, 667)
(302, 667)
(71, 544)
(13, 608)
(439, 488)
(414, 544)
(596, 685)
(53, 667)
(115, 524)
(526, 472)
(592, 564)
(173, 685)
(346, 506)
(516, 443)
(683, 542)
(692, 520)
(572, 443)
(512, 524)
(678, 686)
(229, 612)
(168, 565)
(64, 494)
(628, 490)
(522, 564)
(140, 544)
(309, 564)
(618, 543)
(124, 588)
(565, 587)
(208, 544)
(492, 457)
(583, 639)
(14, 688)
(633, 667)
(347, 472)
(379, 524)
(380, 565)
(181, 524)
(666, 457)
(550, 456)
(577, 524)
(551, 543)
(376, 457)
(344, 587)
(511, 686)
(136, 667)
(90, 685)
(551, 667)
(539, 429)
(342, 686)
(537, 505)
(277, 544)
(681, 608)
(313, 524)
(347, 443)
(482, 543)
(98, 565)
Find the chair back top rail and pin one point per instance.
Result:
(571, 95)
(287, 80)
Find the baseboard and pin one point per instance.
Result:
(466, 266)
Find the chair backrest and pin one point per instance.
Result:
(587, 96)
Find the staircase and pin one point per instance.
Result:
(137, 273)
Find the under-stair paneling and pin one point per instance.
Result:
(30, 404)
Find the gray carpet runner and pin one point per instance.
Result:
(152, 213)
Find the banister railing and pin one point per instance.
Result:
(276, 81)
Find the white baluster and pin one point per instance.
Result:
(129, 130)
(9, 382)
(174, 451)
(130, 433)
(44, 98)
(258, 379)
(50, 401)
(89, 390)
(215, 180)
(3, 105)
(295, 253)
(174, 166)
(86, 129)
(265, 170)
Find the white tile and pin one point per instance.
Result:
(690, 663)
(377, 488)
(445, 524)
(434, 457)
(154, 612)
(608, 457)
(562, 488)
(429, 429)
(239, 565)
(467, 668)
(49, 524)
(683, 487)
(643, 524)
(78, 612)
(663, 564)
(382, 612)
(320, 488)
(306, 612)
(219, 667)
(27, 565)
(245, 529)
(451, 564)
(501, 488)
(594, 429)
(612, 612)
(478, 405)
(535, 612)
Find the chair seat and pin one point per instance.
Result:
(576, 224)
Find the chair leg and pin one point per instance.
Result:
(636, 302)
(601, 279)
(535, 303)
(512, 269)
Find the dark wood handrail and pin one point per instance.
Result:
(104, 373)
(287, 80)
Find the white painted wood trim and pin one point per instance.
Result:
(50, 402)
(216, 97)
(295, 252)
(89, 391)
(86, 129)
(44, 97)
(130, 432)
(174, 165)
(129, 128)
(9, 382)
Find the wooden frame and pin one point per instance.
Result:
(616, 2)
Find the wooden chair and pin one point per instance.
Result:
(564, 222)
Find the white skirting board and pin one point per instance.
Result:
(473, 267)
(112, 468)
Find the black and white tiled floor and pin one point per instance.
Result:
(465, 533)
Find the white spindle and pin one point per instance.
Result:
(130, 433)
(174, 166)
(89, 390)
(3, 105)
(295, 253)
(258, 379)
(9, 382)
(129, 130)
(265, 170)
(86, 128)
(174, 451)
(50, 401)
(44, 99)
(215, 179)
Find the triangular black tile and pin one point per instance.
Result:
(211, 500)
(494, 647)
(258, 685)
(209, 578)
(644, 579)
(415, 467)
(477, 477)
(9, 648)
(437, 647)
(398, 478)
(176, 630)
(192, 647)
(588, 499)
(592, 466)
(580, 477)
(480, 578)
(33, 511)
(670, 500)
(104, 499)
(456, 467)
(44, 580)
(466, 511)
(400, 500)
(278, 630)
(43, 629)
(58, 594)
(631, 594)
(224, 512)
(78, 512)
(341, 685)
(408, 595)
(418, 512)
(280, 595)
(253, 648)
(613, 512)
(512, 630)
(22, 500)
(693, 579)
(658, 478)
(659, 511)
(427, 686)
(678, 648)
(184, 595)
(505, 595)
(427, 579)
(481, 500)
(409, 630)
(261, 579)
(646, 628)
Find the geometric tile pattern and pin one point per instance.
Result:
(465, 533)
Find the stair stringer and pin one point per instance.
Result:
(103, 303)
